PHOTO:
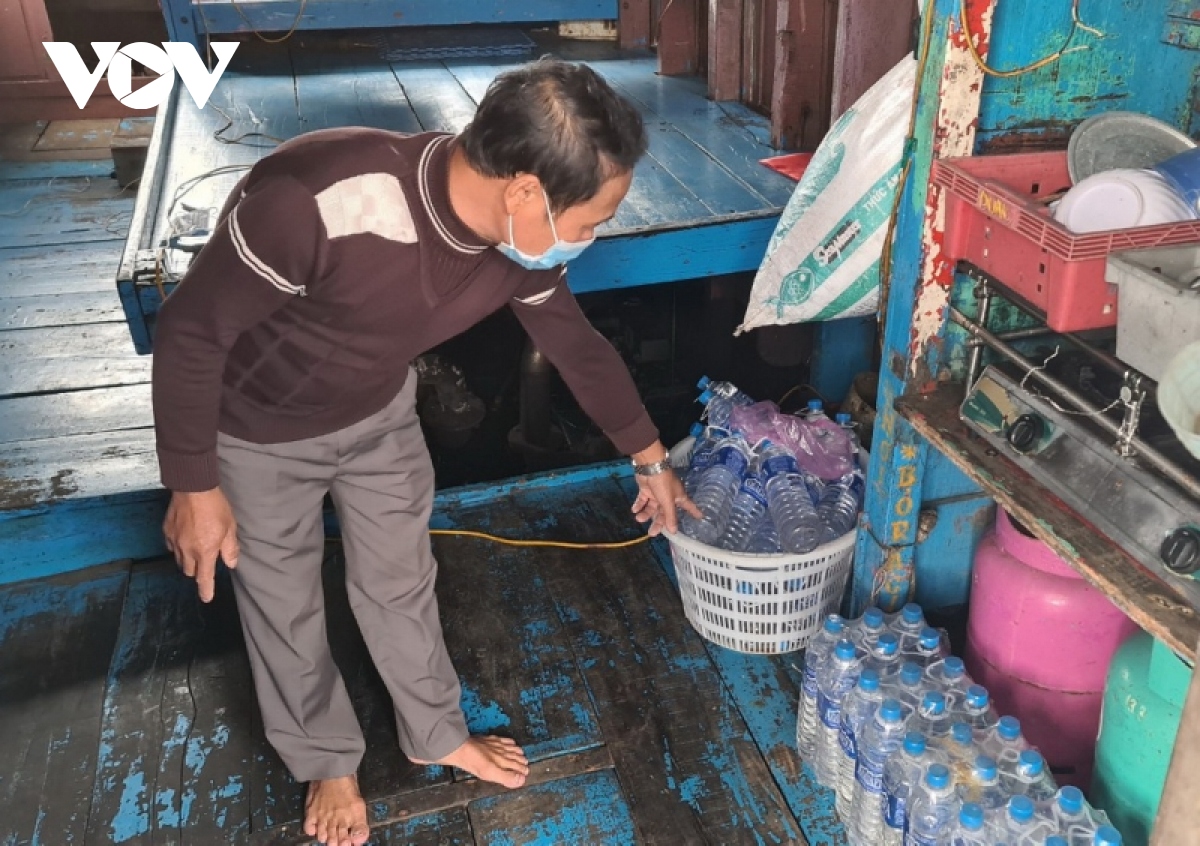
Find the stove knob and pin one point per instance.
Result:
(1181, 550)
(1025, 432)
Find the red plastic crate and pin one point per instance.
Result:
(997, 219)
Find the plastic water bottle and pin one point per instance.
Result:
(765, 540)
(949, 675)
(908, 623)
(867, 628)
(908, 685)
(816, 410)
(1074, 818)
(704, 450)
(934, 809)
(718, 409)
(728, 390)
(970, 830)
(746, 513)
(835, 679)
(882, 738)
(901, 773)
(819, 648)
(789, 501)
(976, 710)
(1030, 778)
(884, 655)
(715, 490)
(847, 422)
(932, 718)
(1005, 743)
(857, 709)
(1021, 825)
(958, 749)
(839, 506)
(1055, 840)
(1106, 835)
(928, 648)
(982, 785)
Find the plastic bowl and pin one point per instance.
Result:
(1179, 396)
(1182, 173)
(1121, 199)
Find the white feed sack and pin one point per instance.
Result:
(822, 262)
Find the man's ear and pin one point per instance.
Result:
(522, 189)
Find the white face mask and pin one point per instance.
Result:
(560, 252)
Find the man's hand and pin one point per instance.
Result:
(661, 496)
(199, 526)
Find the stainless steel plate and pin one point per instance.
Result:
(1121, 139)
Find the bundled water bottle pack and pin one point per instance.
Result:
(769, 482)
(915, 751)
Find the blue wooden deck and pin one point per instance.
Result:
(126, 711)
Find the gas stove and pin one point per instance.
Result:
(1107, 479)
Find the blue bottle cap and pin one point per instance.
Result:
(1106, 835)
(977, 696)
(954, 667)
(815, 405)
(911, 674)
(834, 624)
(705, 398)
(1070, 799)
(914, 743)
(872, 619)
(1032, 763)
(890, 711)
(1055, 840)
(938, 776)
(888, 644)
(703, 383)
(1020, 809)
(961, 733)
(934, 704)
(986, 768)
(971, 817)
(912, 614)
(697, 430)
(1009, 728)
(843, 419)
(931, 640)
(869, 680)
(844, 650)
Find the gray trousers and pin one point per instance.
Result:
(381, 479)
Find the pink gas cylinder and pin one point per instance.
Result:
(1040, 639)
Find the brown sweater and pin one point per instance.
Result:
(338, 260)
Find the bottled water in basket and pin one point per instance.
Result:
(715, 490)
(789, 501)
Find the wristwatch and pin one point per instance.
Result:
(653, 468)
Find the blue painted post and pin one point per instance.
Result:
(947, 106)
(843, 349)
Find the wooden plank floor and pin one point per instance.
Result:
(127, 714)
(77, 468)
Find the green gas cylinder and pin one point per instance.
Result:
(1143, 698)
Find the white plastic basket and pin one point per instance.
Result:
(760, 604)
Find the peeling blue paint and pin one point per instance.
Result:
(589, 808)
(482, 718)
(131, 820)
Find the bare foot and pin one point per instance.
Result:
(496, 759)
(335, 813)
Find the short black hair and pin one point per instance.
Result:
(558, 121)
